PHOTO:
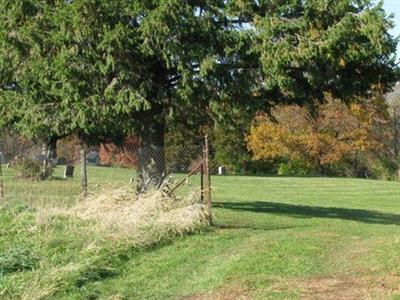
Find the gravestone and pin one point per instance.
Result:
(93, 158)
(221, 170)
(69, 172)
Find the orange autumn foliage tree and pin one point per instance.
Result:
(338, 140)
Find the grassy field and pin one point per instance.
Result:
(272, 238)
(62, 190)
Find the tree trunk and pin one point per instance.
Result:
(151, 154)
(49, 150)
(52, 150)
(84, 180)
(396, 132)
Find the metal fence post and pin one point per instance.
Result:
(84, 182)
(1, 179)
(207, 178)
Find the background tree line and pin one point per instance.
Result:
(359, 139)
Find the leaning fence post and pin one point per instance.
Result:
(207, 178)
(84, 181)
(1, 179)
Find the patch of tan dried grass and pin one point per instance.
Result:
(346, 287)
(350, 287)
(222, 293)
(144, 220)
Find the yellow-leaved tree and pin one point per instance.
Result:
(338, 139)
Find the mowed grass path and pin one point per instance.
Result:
(273, 238)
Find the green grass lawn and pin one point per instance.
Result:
(272, 238)
(59, 190)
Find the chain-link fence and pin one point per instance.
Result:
(37, 174)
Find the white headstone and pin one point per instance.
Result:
(221, 170)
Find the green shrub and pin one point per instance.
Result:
(385, 169)
(17, 259)
(28, 168)
(294, 168)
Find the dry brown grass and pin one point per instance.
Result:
(222, 293)
(350, 287)
(143, 220)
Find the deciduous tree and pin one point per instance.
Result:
(338, 135)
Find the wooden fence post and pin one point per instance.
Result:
(84, 182)
(202, 180)
(1, 180)
(207, 178)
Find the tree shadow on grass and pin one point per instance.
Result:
(303, 211)
(256, 227)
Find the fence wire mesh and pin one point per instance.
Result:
(32, 174)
